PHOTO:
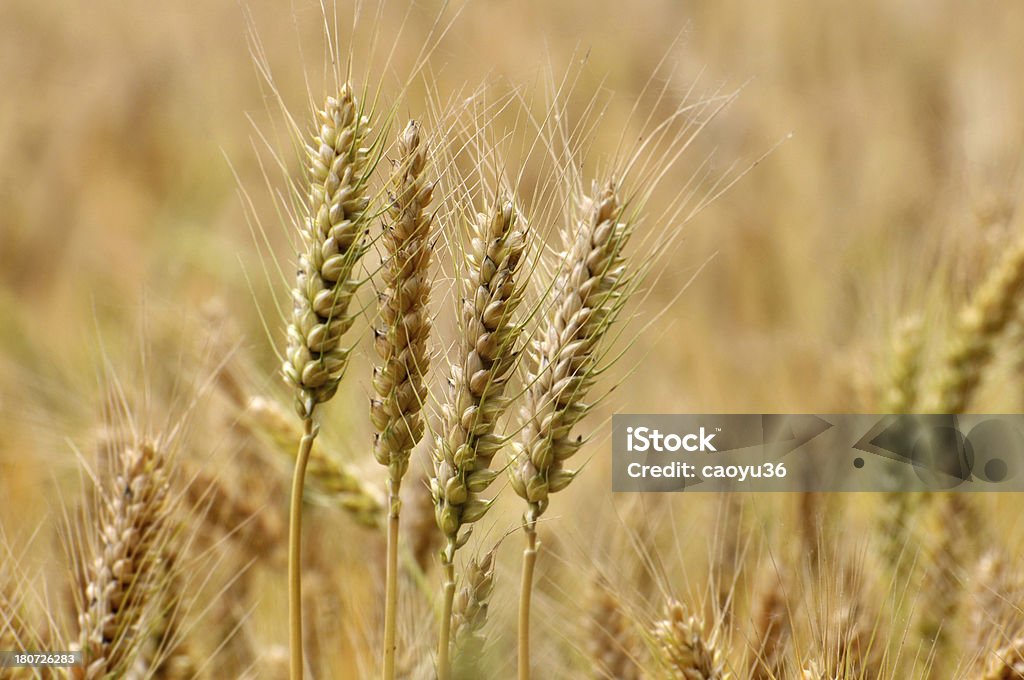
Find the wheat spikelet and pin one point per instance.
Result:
(333, 238)
(469, 615)
(329, 478)
(476, 399)
(1006, 663)
(401, 341)
(986, 317)
(611, 644)
(563, 360)
(684, 651)
(124, 570)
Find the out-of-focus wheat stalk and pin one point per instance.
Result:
(773, 630)
(401, 343)
(124, 571)
(981, 322)
(953, 530)
(476, 399)
(333, 235)
(610, 635)
(563, 365)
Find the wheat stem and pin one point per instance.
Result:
(444, 665)
(400, 342)
(295, 547)
(391, 596)
(525, 596)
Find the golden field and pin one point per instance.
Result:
(872, 158)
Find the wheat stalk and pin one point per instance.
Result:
(332, 233)
(563, 360)
(476, 400)
(124, 570)
(401, 343)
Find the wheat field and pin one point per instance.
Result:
(313, 318)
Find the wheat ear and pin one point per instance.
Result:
(124, 571)
(1006, 663)
(564, 361)
(611, 643)
(165, 654)
(684, 650)
(981, 322)
(332, 234)
(469, 614)
(477, 381)
(401, 343)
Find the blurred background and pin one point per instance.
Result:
(130, 147)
